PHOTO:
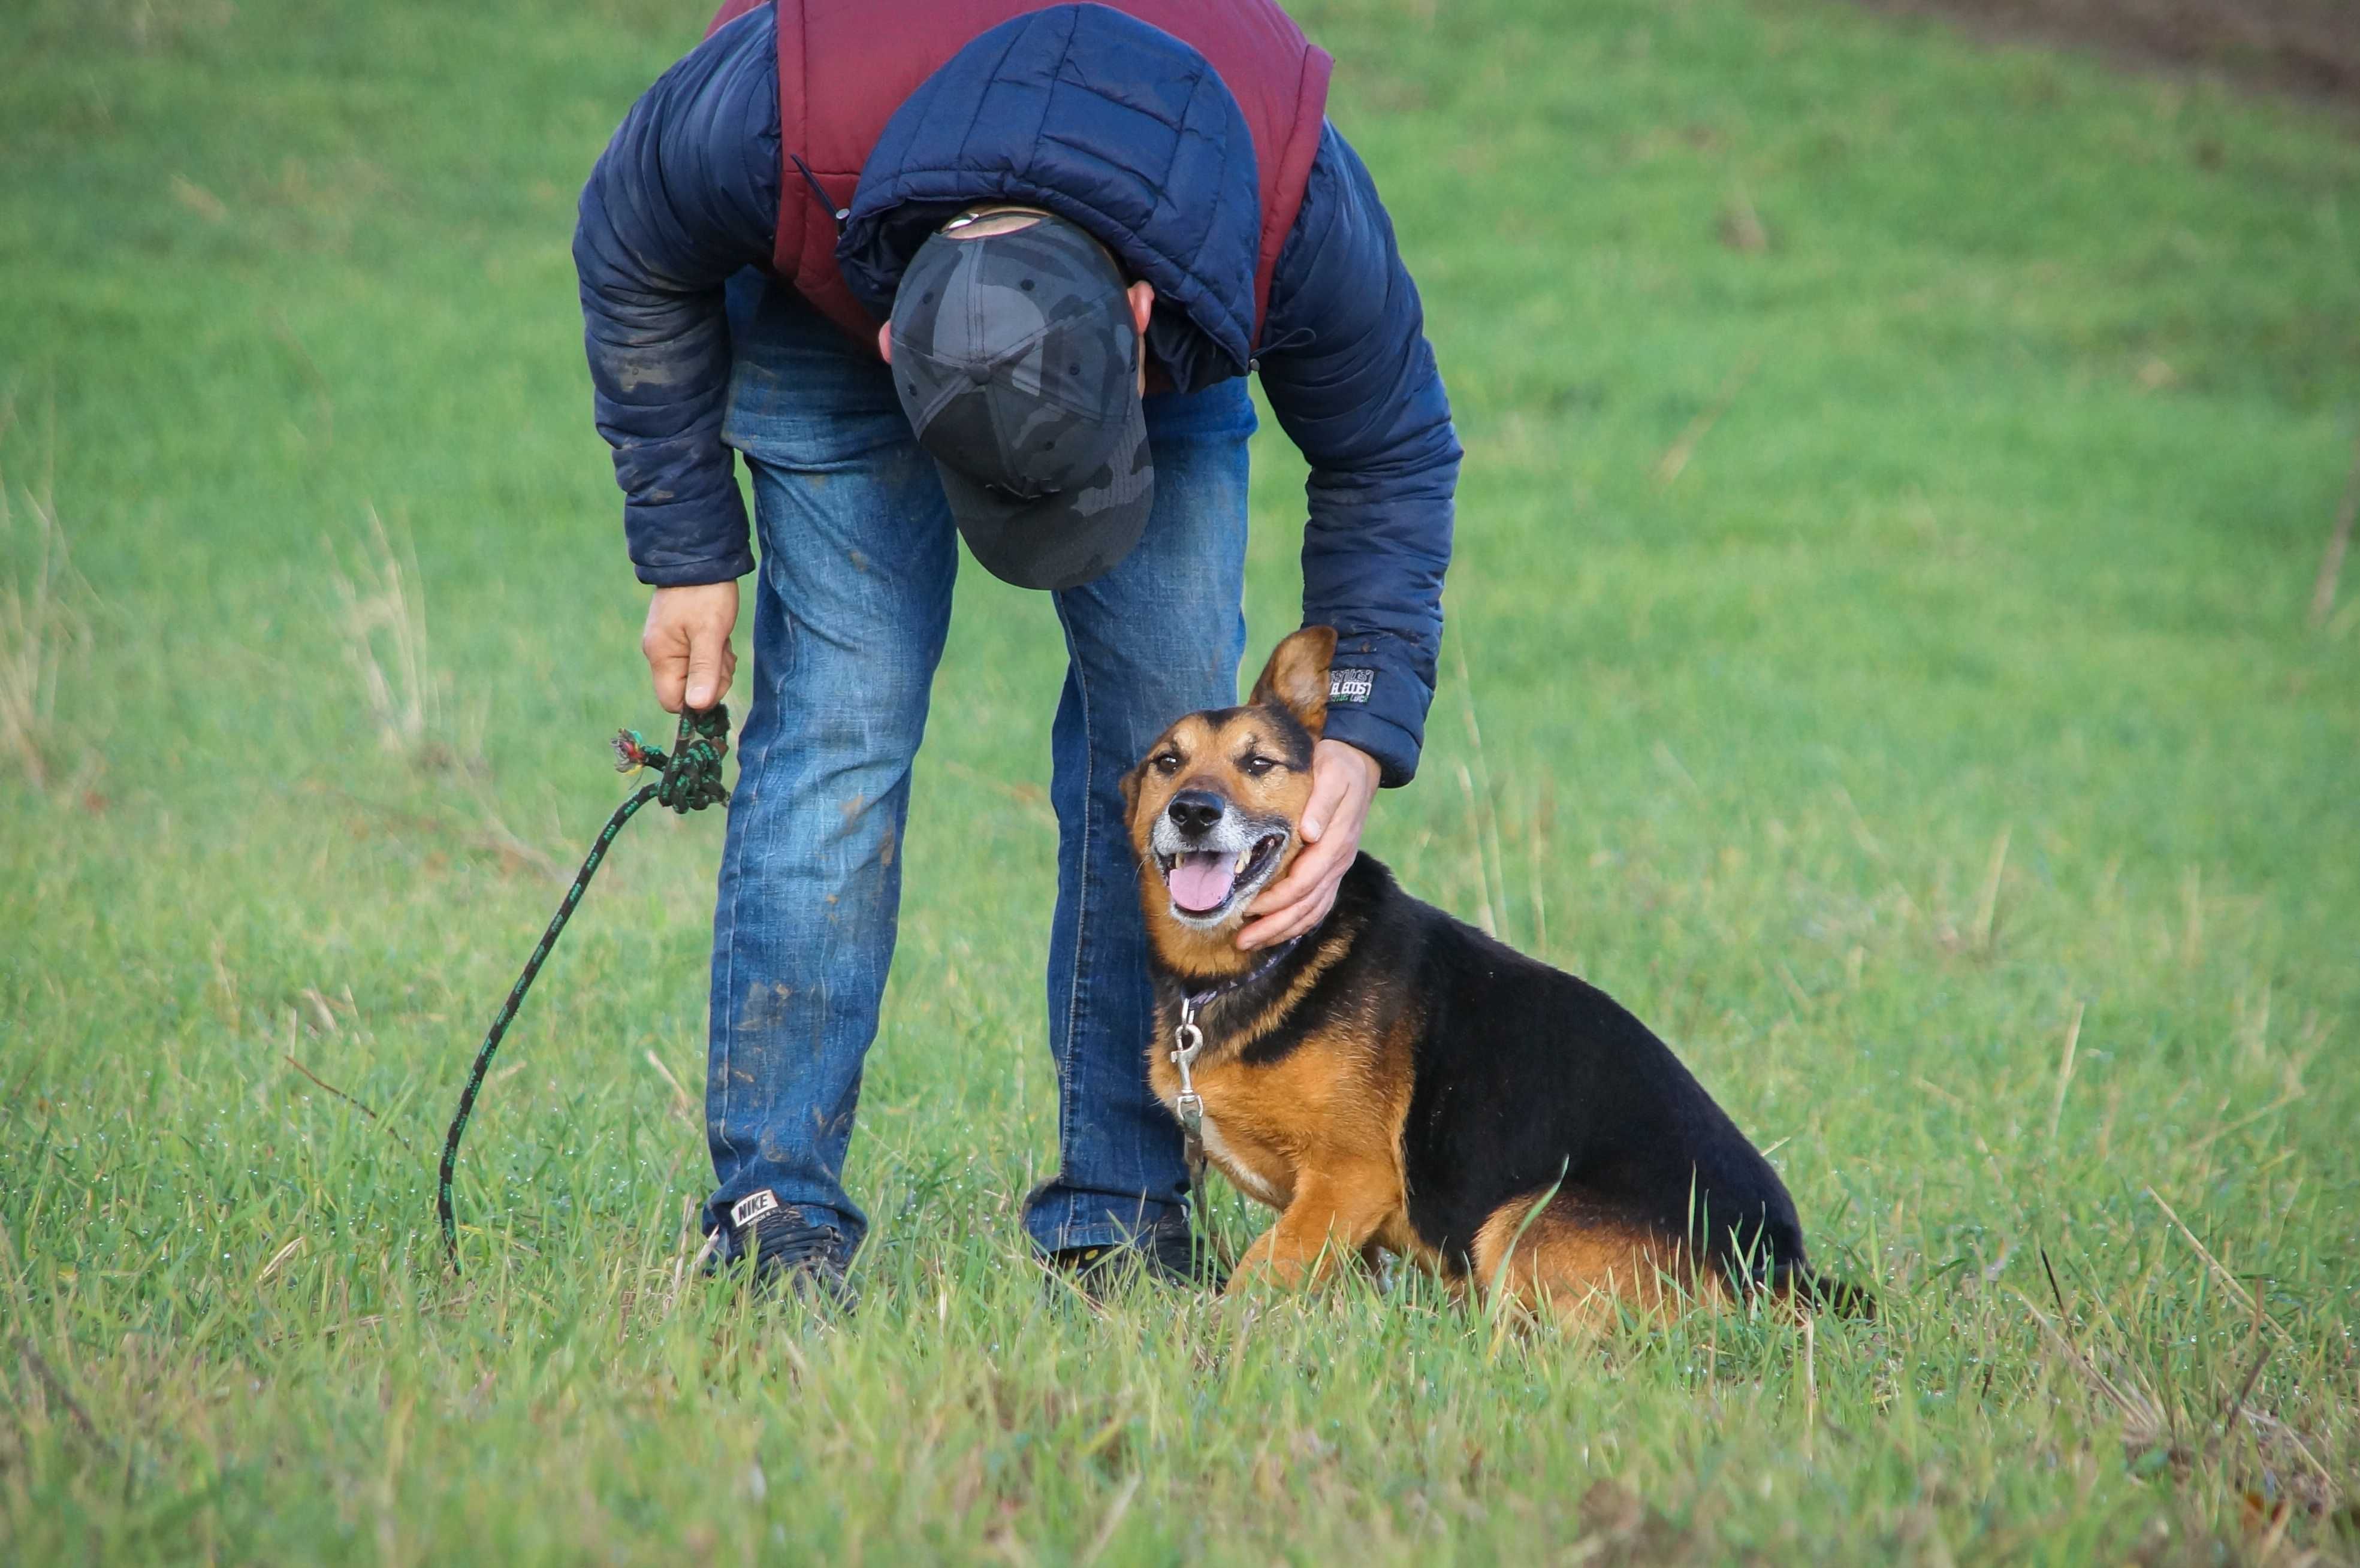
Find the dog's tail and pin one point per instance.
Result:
(1797, 1284)
(1769, 1257)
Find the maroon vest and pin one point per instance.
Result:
(845, 65)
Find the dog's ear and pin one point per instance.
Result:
(1295, 678)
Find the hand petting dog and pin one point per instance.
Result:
(1343, 783)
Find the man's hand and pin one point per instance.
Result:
(1343, 782)
(687, 644)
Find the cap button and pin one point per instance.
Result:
(979, 374)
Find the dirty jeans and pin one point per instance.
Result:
(851, 604)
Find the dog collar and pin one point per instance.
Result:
(1196, 1001)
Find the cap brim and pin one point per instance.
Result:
(1065, 539)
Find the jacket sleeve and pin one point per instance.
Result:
(686, 194)
(1349, 375)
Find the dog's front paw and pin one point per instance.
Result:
(1272, 1264)
(1254, 1269)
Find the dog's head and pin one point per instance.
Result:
(1215, 806)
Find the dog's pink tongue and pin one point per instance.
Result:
(1202, 878)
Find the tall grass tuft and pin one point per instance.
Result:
(41, 633)
(382, 617)
(380, 605)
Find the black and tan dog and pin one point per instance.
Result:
(1398, 1080)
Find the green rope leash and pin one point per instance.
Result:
(691, 781)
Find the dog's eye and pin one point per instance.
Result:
(1168, 762)
(1255, 767)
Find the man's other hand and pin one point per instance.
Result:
(1343, 782)
(687, 644)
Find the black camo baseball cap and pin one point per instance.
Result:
(1016, 360)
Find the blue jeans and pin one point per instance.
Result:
(852, 607)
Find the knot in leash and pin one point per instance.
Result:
(691, 771)
(689, 781)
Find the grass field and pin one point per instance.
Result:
(1879, 654)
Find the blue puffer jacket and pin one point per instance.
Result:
(687, 194)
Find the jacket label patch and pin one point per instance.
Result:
(1351, 685)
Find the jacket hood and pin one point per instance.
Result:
(1107, 121)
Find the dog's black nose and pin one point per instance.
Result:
(1196, 811)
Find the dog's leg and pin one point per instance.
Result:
(1335, 1211)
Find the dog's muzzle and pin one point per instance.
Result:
(1213, 858)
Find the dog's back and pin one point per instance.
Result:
(1534, 1087)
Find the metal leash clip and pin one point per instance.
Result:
(1188, 1042)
